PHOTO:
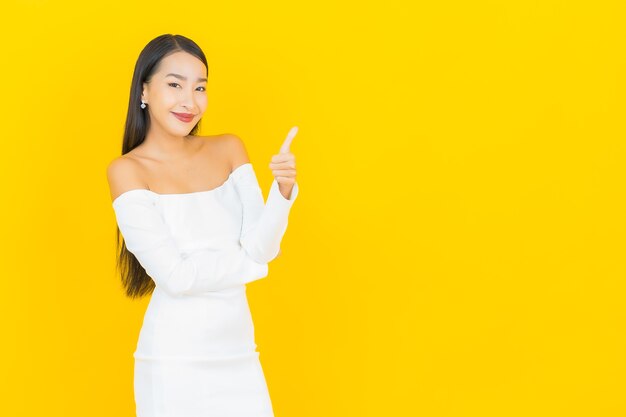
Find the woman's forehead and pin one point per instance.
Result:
(182, 63)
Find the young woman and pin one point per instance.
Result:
(195, 231)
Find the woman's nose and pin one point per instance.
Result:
(187, 101)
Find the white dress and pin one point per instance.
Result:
(196, 353)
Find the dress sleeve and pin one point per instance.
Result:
(147, 236)
(264, 224)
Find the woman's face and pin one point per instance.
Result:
(179, 86)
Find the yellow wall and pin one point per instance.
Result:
(457, 245)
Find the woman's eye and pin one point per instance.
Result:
(175, 84)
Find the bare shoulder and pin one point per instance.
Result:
(236, 149)
(123, 174)
(227, 146)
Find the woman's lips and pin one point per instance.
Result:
(184, 117)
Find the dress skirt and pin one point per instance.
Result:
(196, 357)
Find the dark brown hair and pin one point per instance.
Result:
(135, 280)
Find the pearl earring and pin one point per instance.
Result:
(143, 104)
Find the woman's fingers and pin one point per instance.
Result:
(284, 163)
(284, 172)
(283, 157)
(287, 142)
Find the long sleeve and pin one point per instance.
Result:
(148, 238)
(264, 224)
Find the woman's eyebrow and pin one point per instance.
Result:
(180, 77)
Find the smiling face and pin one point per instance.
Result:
(177, 89)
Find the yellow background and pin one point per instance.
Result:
(457, 248)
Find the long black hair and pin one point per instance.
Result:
(135, 280)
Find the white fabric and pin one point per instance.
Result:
(196, 354)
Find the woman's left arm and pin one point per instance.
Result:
(264, 223)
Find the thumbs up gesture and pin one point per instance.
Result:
(283, 166)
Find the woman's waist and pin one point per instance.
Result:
(227, 307)
(214, 358)
(197, 336)
(235, 290)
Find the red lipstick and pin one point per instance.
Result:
(184, 117)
